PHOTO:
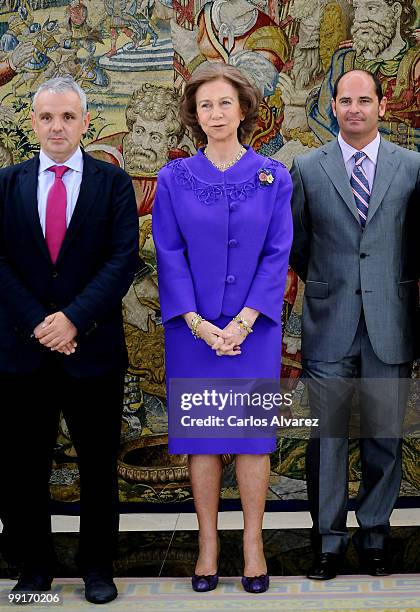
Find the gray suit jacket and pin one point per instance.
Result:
(345, 268)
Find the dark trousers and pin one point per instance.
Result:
(383, 394)
(29, 418)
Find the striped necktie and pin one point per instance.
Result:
(360, 187)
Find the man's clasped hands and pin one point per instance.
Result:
(57, 333)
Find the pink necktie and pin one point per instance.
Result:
(55, 219)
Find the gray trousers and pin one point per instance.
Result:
(382, 398)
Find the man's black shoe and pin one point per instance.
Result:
(325, 566)
(374, 561)
(30, 584)
(99, 587)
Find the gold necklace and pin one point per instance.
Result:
(225, 165)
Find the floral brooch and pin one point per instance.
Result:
(265, 177)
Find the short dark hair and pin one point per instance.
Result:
(375, 79)
(249, 98)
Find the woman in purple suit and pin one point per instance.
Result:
(223, 230)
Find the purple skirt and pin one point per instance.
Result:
(187, 357)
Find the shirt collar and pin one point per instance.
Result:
(371, 149)
(75, 162)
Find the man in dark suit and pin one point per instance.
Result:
(68, 253)
(356, 210)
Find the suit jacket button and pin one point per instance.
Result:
(53, 305)
(233, 242)
(363, 255)
(358, 292)
(230, 279)
(55, 274)
(232, 206)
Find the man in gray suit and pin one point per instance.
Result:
(355, 207)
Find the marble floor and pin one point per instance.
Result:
(165, 545)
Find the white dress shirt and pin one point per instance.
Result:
(368, 164)
(72, 180)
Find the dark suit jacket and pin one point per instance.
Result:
(94, 269)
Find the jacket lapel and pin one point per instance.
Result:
(28, 182)
(333, 164)
(87, 196)
(386, 168)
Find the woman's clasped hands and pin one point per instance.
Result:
(230, 342)
(225, 341)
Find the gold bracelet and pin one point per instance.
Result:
(195, 322)
(243, 324)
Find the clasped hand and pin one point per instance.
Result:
(225, 341)
(57, 333)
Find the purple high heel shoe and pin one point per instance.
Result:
(256, 584)
(201, 584)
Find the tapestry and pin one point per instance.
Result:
(133, 58)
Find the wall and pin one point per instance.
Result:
(133, 58)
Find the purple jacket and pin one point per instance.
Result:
(222, 238)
